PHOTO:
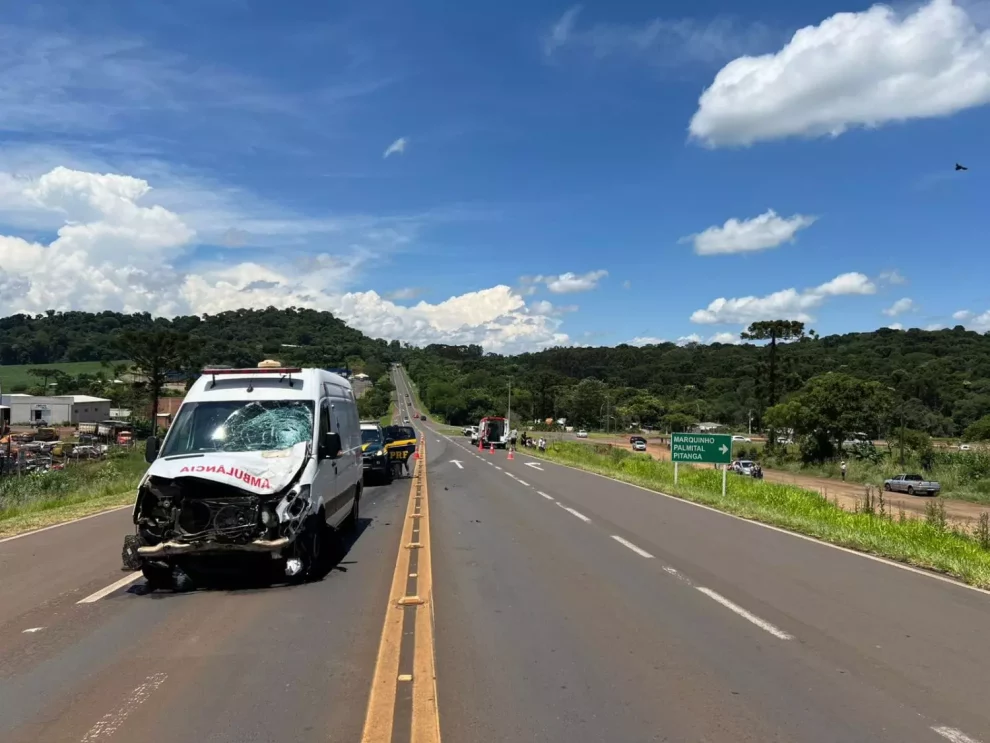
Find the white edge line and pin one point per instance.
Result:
(876, 558)
(956, 736)
(64, 523)
(523, 482)
(625, 543)
(548, 497)
(126, 580)
(761, 623)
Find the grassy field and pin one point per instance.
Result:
(925, 543)
(17, 377)
(31, 501)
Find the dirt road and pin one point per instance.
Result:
(847, 494)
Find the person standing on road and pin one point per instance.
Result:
(843, 471)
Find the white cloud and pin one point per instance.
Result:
(746, 236)
(647, 340)
(787, 304)
(895, 326)
(892, 277)
(543, 307)
(116, 251)
(972, 321)
(935, 326)
(565, 283)
(397, 147)
(853, 69)
(658, 41)
(899, 307)
(732, 339)
(561, 31)
(684, 340)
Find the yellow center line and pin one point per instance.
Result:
(425, 723)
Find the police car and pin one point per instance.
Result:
(373, 453)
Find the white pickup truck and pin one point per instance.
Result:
(912, 485)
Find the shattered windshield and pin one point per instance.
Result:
(237, 425)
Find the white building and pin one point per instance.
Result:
(53, 410)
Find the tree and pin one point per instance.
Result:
(773, 331)
(978, 431)
(830, 407)
(154, 354)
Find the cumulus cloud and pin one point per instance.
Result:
(973, 321)
(860, 69)
(899, 307)
(787, 304)
(565, 283)
(768, 230)
(543, 307)
(397, 147)
(116, 251)
(895, 326)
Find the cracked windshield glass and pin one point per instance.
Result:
(261, 425)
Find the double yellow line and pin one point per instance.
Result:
(404, 689)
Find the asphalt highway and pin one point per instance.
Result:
(565, 607)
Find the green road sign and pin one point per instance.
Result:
(711, 448)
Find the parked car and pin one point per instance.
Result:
(639, 445)
(743, 467)
(912, 485)
(634, 439)
(582, 434)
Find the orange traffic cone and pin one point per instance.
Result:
(511, 454)
(479, 444)
(491, 448)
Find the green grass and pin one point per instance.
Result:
(963, 475)
(17, 377)
(922, 543)
(28, 501)
(386, 420)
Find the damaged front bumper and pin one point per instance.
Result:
(169, 549)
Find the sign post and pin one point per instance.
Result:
(701, 448)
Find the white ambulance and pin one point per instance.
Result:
(261, 460)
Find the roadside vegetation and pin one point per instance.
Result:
(928, 543)
(39, 499)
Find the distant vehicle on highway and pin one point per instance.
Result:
(965, 447)
(422, 417)
(582, 434)
(912, 485)
(471, 431)
(639, 445)
(634, 439)
(743, 439)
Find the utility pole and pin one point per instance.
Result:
(750, 422)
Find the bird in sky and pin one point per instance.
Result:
(961, 167)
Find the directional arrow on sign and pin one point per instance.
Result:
(723, 448)
(534, 465)
(459, 465)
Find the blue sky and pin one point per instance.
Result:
(519, 175)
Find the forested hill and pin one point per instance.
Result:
(239, 338)
(940, 379)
